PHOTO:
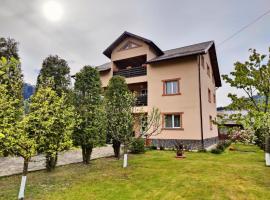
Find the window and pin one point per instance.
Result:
(171, 87)
(214, 98)
(208, 70)
(173, 121)
(211, 122)
(209, 96)
(129, 45)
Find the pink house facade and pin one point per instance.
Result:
(181, 83)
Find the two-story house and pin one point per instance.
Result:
(181, 83)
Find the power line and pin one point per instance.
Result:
(243, 28)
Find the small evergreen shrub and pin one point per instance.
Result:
(216, 151)
(161, 148)
(153, 147)
(137, 146)
(221, 146)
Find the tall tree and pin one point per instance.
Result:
(56, 68)
(119, 102)
(11, 112)
(11, 76)
(252, 77)
(14, 140)
(9, 48)
(90, 129)
(53, 121)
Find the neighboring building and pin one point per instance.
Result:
(181, 82)
(226, 123)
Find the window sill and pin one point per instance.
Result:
(171, 94)
(181, 129)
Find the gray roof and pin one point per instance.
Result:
(191, 50)
(183, 51)
(104, 67)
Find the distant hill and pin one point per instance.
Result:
(28, 90)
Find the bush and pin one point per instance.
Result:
(153, 147)
(216, 151)
(221, 146)
(137, 146)
(161, 148)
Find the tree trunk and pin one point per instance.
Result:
(116, 148)
(23, 181)
(125, 161)
(88, 152)
(51, 162)
(267, 150)
(83, 153)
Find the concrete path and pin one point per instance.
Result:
(14, 165)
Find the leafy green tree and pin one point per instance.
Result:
(52, 119)
(252, 77)
(90, 128)
(14, 138)
(9, 48)
(11, 76)
(56, 68)
(9, 116)
(119, 102)
(11, 102)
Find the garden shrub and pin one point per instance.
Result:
(216, 151)
(137, 146)
(161, 148)
(153, 147)
(221, 146)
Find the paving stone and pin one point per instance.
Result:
(14, 165)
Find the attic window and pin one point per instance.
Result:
(129, 45)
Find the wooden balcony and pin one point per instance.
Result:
(132, 72)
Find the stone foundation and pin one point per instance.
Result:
(189, 144)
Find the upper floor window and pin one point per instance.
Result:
(211, 122)
(214, 98)
(209, 95)
(208, 70)
(171, 87)
(173, 121)
(129, 45)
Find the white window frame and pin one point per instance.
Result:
(171, 82)
(173, 115)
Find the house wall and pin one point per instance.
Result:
(208, 108)
(188, 102)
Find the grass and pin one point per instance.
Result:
(158, 175)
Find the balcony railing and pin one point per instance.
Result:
(132, 72)
(141, 100)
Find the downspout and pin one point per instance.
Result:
(200, 97)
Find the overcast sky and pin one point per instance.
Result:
(88, 27)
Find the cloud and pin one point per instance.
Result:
(89, 26)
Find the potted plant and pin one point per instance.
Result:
(179, 149)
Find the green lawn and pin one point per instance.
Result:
(154, 175)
